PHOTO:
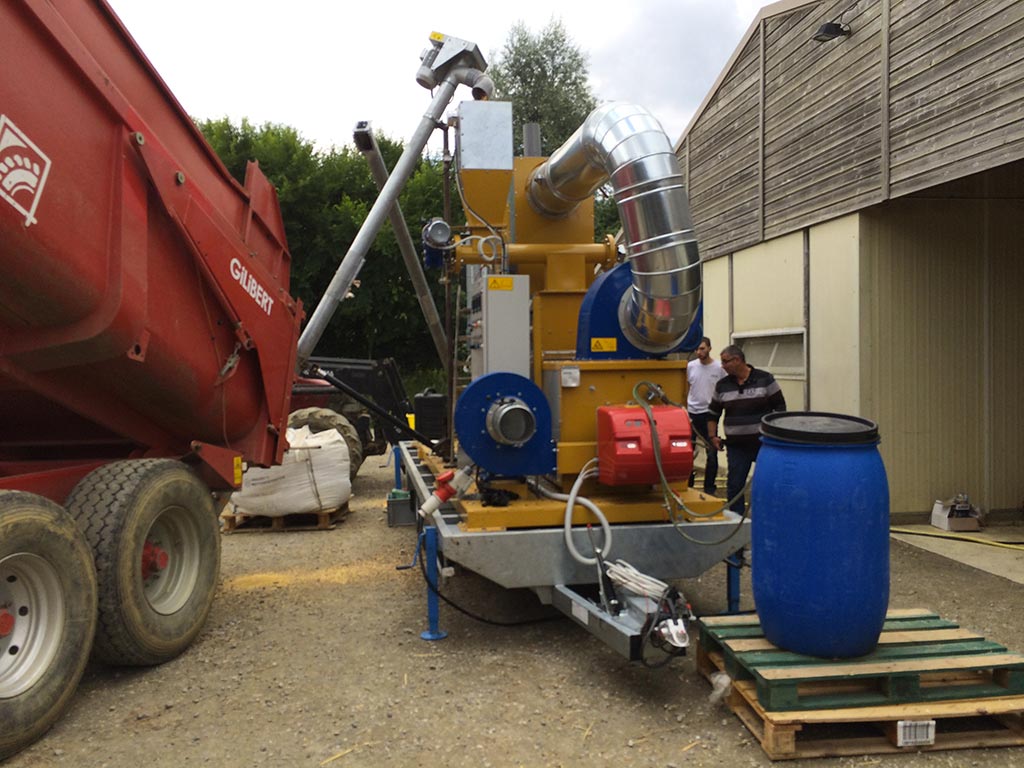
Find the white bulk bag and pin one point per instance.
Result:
(312, 477)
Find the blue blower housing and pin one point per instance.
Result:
(599, 320)
(503, 421)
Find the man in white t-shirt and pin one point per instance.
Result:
(703, 373)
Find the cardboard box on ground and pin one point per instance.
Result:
(956, 514)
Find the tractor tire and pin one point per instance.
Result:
(322, 419)
(156, 540)
(47, 615)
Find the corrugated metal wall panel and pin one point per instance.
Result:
(1006, 319)
(921, 359)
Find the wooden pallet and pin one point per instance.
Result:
(920, 657)
(858, 712)
(312, 521)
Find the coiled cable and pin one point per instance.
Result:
(573, 498)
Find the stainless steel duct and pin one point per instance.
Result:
(623, 144)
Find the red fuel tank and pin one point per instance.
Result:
(625, 444)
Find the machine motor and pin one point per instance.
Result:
(626, 444)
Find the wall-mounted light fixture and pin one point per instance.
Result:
(831, 30)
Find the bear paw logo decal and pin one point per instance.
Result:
(23, 170)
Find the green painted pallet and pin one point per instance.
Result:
(920, 657)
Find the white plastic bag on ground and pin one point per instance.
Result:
(312, 477)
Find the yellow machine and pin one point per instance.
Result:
(552, 254)
(574, 419)
(574, 447)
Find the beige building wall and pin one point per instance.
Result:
(1004, 327)
(914, 322)
(768, 285)
(834, 316)
(768, 298)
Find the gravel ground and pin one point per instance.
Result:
(312, 657)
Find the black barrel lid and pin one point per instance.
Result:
(815, 427)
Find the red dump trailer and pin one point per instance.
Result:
(147, 348)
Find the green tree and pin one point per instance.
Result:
(546, 77)
(324, 198)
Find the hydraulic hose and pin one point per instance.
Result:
(672, 499)
(957, 537)
(573, 498)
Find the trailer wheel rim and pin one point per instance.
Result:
(171, 560)
(31, 593)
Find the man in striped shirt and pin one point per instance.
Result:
(744, 396)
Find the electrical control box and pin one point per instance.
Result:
(499, 324)
(625, 444)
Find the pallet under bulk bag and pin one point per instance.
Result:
(313, 477)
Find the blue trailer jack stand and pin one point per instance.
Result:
(428, 541)
(433, 602)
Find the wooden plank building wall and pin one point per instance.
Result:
(723, 162)
(956, 84)
(797, 132)
(822, 117)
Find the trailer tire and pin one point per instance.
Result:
(156, 541)
(48, 588)
(322, 419)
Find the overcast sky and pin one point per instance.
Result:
(322, 65)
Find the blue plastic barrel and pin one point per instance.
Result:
(820, 534)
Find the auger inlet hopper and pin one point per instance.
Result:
(144, 307)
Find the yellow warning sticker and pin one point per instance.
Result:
(499, 283)
(238, 470)
(604, 345)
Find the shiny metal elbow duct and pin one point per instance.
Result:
(623, 144)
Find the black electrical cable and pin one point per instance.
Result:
(467, 612)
